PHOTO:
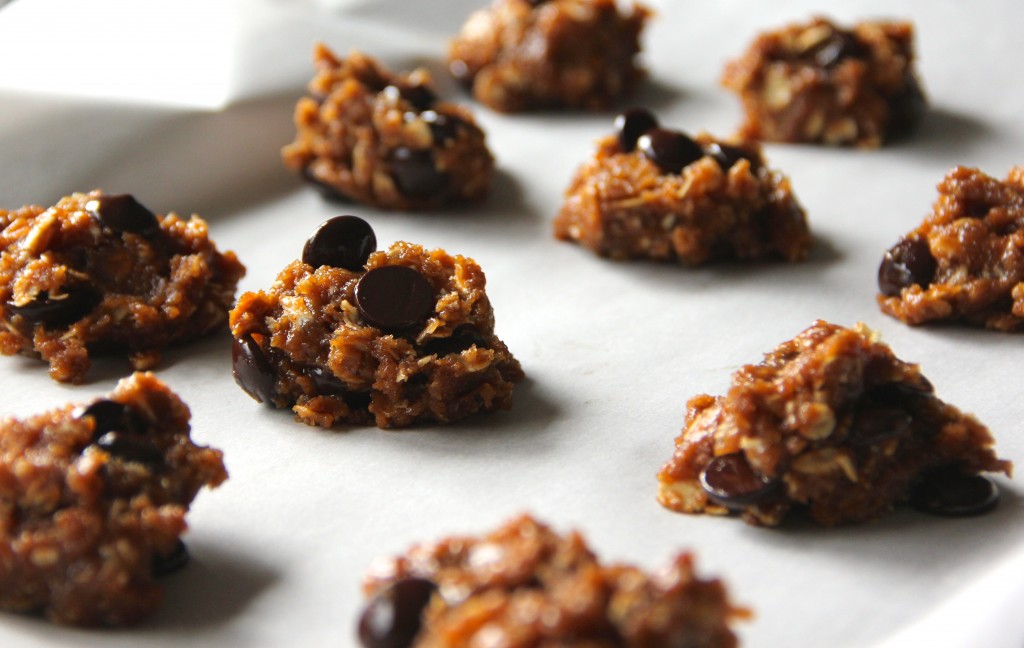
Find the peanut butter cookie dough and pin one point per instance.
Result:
(352, 335)
(93, 502)
(820, 83)
(519, 55)
(99, 272)
(525, 585)
(656, 193)
(385, 139)
(831, 422)
(965, 262)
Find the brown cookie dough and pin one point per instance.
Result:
(655, 193)
(384, 139)
(525, 585)
(93, 502)
(97, 272)
(820, 83)
(519, 55)
(833, 423)
(965, 262)
(394, 337)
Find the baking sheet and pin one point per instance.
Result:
(186, 104)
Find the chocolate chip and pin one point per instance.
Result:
(457, 342)
(420, 96)
(122, 213)
(883, 412)
(112, 416)
(443, 128)
(162, 565)
(415, 174)
(252, 370)
(536, 3)
(70, 307)
(131, 447)
(839, 46)
(325, 382)
(393, 617)
(726, 155)
(906, 108)
(341, 242)
(633, 123)
(671, 150)
(394, 297)
(729, 481)
(950, 493)
(908, 263)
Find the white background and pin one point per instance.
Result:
(187, 103)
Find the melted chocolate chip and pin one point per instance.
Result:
(883, 412)
(394, 297)
(950, 493)
(443, 128)
(252, 370)
(112, 416)
(70, 307)
(633, 123)
(131, 447)
(420, 96)
(726, 156)
(457, 342)
(341, 242)
(908, 263)
(393, 617)
(671, 150)
(836, 48)
(415, 174)
(169, 563)
(122, 213)
(730, 481)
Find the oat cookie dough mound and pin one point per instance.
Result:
(384, 139)
(656, 193)
(99, 272)
(93, 502)
(831, 422)
(820, 83)
(525, 585)
(965, 262)
(394, 337)
(519, 55)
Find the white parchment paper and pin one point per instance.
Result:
(187, 103)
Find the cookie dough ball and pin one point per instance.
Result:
(352, 335)
(656, 193)
(965, 262)
(519, 55)
(820, 83)
(834, 424)
(385, 139)
(93, 502)
(525, 585)
(101, 272)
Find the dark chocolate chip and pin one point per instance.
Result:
(70, 307)
(112, 416)
(394, 297)
(885, 411)
(415, 174)
(671, 150)
(950, 493)
(325, 381)
(727, 155)
(443, 128)
(341, 242)
(252, 370)
(457, 342)
(906, 108)
(836, 48)
(131, 447)
(731, 482)
(122, 213)
(420, 96)
(908, 263)
(633, 123)
(393, 617)
(169, 563)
